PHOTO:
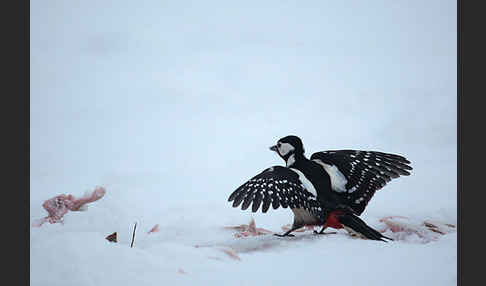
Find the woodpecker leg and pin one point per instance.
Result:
(286, 233)
(295, 225)
(322, 230)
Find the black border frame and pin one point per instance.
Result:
(470, 198)
(16, 141)
(459, 146)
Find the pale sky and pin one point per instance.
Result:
(180, 100)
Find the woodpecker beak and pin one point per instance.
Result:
(274, 148)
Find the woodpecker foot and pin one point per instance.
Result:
(322, 232)
(284, 235)
(287, 233)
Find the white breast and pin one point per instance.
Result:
(338, 180)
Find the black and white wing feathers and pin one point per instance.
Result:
(276, 186)
(357, 175)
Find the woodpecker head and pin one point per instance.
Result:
(288, 146)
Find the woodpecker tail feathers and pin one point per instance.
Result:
(355, 225)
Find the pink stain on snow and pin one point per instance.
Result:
(397, 224)
(154, 229)
(58, 206)
(231, 253)
(402, 228)
(245, 230)
(249, 230)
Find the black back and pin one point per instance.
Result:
(320, 179)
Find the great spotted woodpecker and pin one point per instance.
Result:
(331, 189)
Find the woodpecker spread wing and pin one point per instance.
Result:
(276, 186)
(357, 175)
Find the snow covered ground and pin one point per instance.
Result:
(172, 105)
(189, 248)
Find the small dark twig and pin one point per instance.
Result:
(111, 237)
(133, 236)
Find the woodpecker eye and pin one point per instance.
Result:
(279, 144)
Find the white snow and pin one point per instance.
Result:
(76, 253)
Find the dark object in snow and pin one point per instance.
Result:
(58, 206)
(111, 237)
(133, 235)
(441, 228)
(331, 189)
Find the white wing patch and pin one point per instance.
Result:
(338, 180)
(307, 184)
